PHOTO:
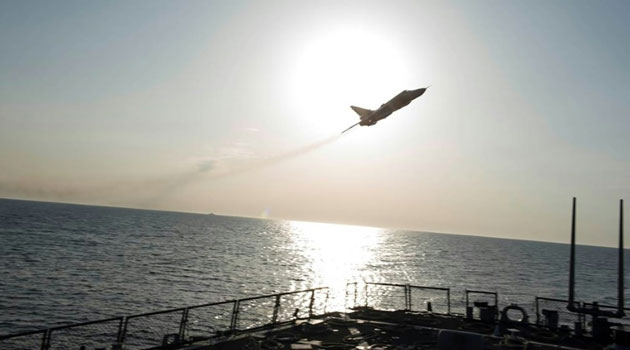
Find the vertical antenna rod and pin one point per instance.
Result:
(572, 261)
(620, 297)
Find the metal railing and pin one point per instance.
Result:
(482, 292)
(188, 324)
(447, 298)
(566, 316)
(25, 340)
(154, 328)
(603, 306)
(279, 314)
(354, 295)
(380, 295)
(560, 305)
(389, 296)
(176, 326)
(91, 334)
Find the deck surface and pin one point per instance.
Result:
(368, 329)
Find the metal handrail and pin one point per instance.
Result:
(405, 286)
(407, 290)
(22, 334)
(50, 331)
(124, 320)
(557, 300)
(472, 291)
(44, 336)
(447, 290)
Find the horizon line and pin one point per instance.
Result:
(415, 230)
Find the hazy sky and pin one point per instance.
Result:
(233, 108)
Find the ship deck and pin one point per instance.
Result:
(369, 329)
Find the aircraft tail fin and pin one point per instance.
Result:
(362, 112)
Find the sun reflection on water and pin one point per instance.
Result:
(337, 254)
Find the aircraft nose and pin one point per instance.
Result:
(418, 92)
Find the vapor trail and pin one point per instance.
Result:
(171, 185)
(278, 158)
(143, 193)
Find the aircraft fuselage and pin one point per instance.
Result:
(386, 109)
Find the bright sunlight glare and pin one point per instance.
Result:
(338, 254)
(343, 67)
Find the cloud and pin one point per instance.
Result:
(207, 165)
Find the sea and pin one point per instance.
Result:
(64, 263)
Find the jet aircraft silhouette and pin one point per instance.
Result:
(369, 117)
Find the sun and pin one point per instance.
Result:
(341, 67)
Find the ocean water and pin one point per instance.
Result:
(62, 263)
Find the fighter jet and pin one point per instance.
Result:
(370, 117)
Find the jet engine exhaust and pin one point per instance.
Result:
(351, 127)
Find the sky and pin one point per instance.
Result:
(236, 107)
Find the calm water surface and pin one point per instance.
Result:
(63, 263)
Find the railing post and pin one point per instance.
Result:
(276, 307)
(45, 340)
(354, 302)
(366, 294)
(182, 324)
(583, 305)
(119, 336)
(407, 297)
(537, 312)
(123, 334)
(356, 293)
(49, 339)
(448, 301)
(496, 304)
(311, 304)
(234, 315)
